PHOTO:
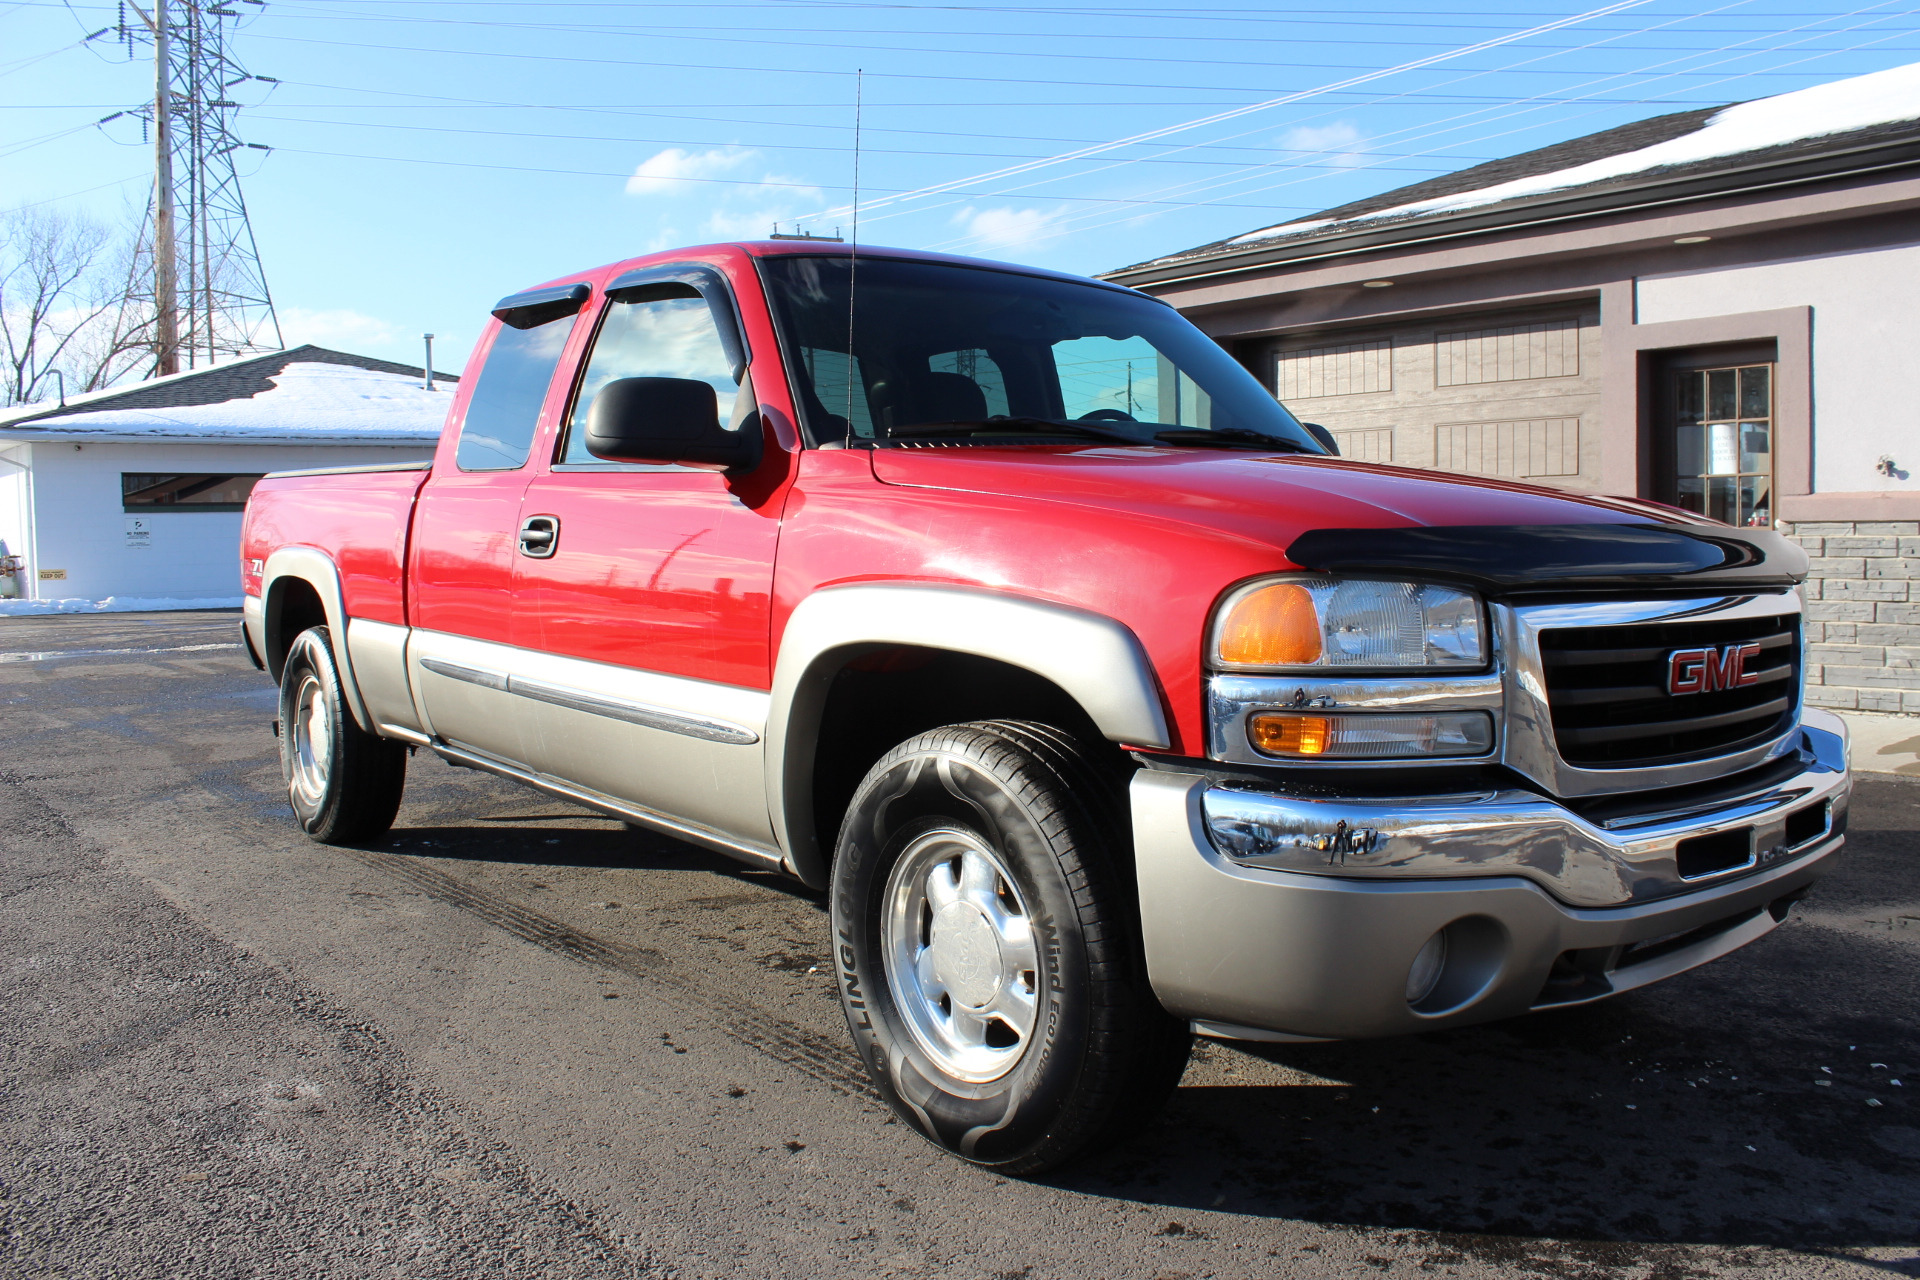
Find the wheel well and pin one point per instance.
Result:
(883, 697)
(292, 607)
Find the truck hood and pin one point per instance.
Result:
(1336, 516)
(1258, 496)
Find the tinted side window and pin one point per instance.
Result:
(663, 331)
(498, 431)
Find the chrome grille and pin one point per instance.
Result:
(1607, 691)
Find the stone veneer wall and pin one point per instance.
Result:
(1863, 614)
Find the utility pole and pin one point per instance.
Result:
(198, 265)
(166, 322)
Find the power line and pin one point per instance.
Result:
(1262, 14)
(734, 31)
(1284, 100)
(728, 182)
(654, 63)
(1432, 128)
(755, 146)
(1083, 219)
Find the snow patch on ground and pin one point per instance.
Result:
(325, 401)
(118, 604)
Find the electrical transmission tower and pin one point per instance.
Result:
(197, 277)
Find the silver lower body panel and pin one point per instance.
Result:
(760, 855)
(1253, 950)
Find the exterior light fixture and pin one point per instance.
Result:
(1376, 284)
(1691, 239)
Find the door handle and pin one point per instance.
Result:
(539, 536)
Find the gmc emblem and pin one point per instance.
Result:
(1705, 670)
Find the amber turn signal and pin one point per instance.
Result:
(1369, 735)
(1289, 735)
(1276, 626)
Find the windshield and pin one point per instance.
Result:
(972, 352)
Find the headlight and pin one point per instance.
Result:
(1300, 623)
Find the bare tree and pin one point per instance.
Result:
(64, 304)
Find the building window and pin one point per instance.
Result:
(1311, 373)
(1510, 353)
(1535, 447)
(1367, 444)
(1723, 443)
(142, 491)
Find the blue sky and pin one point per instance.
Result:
(429, 156)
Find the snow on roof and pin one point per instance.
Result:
(1882, 97)
(1842, 106)
(309, 403)
(1284, 229)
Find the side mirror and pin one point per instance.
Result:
(674, 420)
(1324, 436)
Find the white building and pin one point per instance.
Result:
(132, 497)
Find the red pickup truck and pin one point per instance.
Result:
(1106, 703)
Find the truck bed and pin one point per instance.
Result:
(359, 516)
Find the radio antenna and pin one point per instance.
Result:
(853, 245)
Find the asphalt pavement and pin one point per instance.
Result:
(519, 1039)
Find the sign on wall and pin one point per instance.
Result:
(139, 532)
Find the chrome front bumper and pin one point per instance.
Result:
(1271, 915)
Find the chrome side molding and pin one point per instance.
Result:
(640, 713)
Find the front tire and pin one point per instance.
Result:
(987, 943)
(344, 783)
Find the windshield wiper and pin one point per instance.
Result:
(1036, 426)
(1229, 436)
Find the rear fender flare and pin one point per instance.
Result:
(1099, 662)
(315, 568)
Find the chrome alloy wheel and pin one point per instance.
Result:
(311, 733)
(960, 954)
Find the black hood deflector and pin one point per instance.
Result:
(1555, 559)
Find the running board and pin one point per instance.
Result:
(760, 856)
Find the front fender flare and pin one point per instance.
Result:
(315, 568)
(1099, 662)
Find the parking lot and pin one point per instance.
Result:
(517, 1038)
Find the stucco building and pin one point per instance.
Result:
(135, 494)
(1713, 309)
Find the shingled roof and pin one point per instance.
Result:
(215, 384)
(1864, 124)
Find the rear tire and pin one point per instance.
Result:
(344, 783)
(987, 937)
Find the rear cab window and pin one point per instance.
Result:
(504, 411)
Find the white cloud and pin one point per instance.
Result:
(1339, 142)
(341, 329)
(1005, 228)
(663, 171)
(745, 215)
(739, 209)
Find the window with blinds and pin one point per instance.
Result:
(1525, 449)
(1350, 369)
(1509, 353)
